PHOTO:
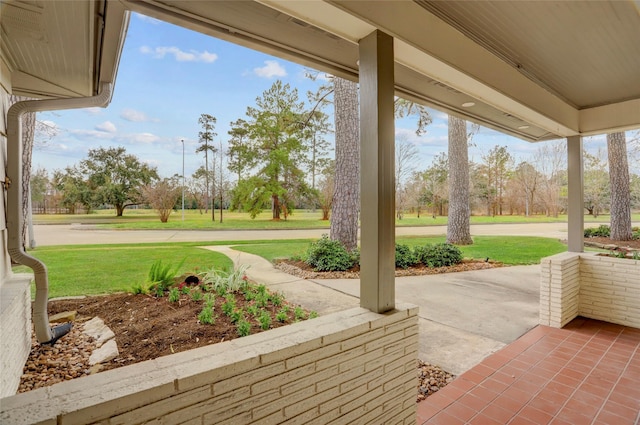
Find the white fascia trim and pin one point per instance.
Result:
(610, 118)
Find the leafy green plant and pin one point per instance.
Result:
(229, 305)
(276, 299)
(265, 320)
(299, 314)
(206, 316)
(253, 310)
(602, 231)
(225, 281)
(243, 327)
(313, 314)
(636, 255)
(162, 275)
(282, 316)
(196, 294)
(236, 316)
(619, 254)
(174, 295)
(329, 255)
(439, 255)
(405, 256)
(139, 288)
(262, 300)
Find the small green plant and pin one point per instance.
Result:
(299, 314)
(636, 255)
(282, 316)
(405, 257)
(619, 254)
(236, 316)
(313, 314)
(265, 320)
(229, 305)
(206, 316)
(329, 255)
(196, 294)
(225, 281)
(139, 288)
(439, 255)
(162, 275)
(209, 298)
(243, 327)
(276, 299)
(262, 300)
(253, 310)
(174, 295)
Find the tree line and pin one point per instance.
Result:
(278, 158)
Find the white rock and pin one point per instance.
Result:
(107, 352)
(98, 330)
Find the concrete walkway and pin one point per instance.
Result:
(463, 317)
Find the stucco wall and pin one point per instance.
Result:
(353, 366)
(589, 285)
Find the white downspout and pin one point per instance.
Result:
(44, 333)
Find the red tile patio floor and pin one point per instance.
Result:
(585, 373)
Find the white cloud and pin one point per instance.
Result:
(134, 116)
(270, 69)
(91, 134)
(144, 138)
(106, 126)
(179, 55)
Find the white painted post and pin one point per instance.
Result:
(575, 204)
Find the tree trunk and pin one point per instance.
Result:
(275, 207)
(119, 210)
(458, 230)
(346, 198)
(620, 192)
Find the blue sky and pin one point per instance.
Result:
(168, 76)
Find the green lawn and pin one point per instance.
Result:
(147, 219)
(89, 270)
(511, 250)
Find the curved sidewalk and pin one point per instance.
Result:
(463, 317)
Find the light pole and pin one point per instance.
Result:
(182, 140)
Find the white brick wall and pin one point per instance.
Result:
(589, 285)
(353, 366)
(15, 331)
(610, 289)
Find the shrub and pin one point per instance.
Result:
(328, 255)
(602, 231)
(439, 255)
(405, 257)
(281, 316)
(222, 281)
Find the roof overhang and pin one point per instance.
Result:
(523, 66)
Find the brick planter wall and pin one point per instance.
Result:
(589, 285)
(15, 331)
(347, 366)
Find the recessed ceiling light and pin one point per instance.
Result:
(468, 104)
(523, 127)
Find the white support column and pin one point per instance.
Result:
(575, 207)
(377, 173)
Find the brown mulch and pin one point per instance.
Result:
(303, 270)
